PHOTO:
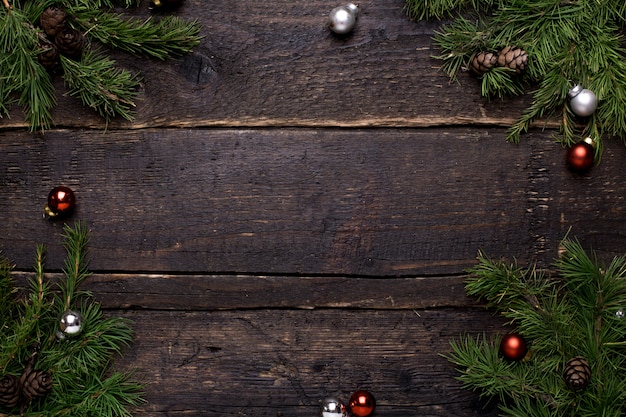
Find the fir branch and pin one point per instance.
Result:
(428, 9)
(21, 73)
(26, 55)
(97, 4)
(504, 285)
(39, 283)
(565, 317)
(458, 41)
(568, 43)
(76, 264)
(161, 39)
(501, 82)
(83, 384)
(26, 329)
(100, 85)
(7, 292)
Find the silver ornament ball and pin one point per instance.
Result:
(71, 323)
(343, 18)
(583, 102)
(332, 407)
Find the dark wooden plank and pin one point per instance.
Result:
(284, 362)
(241, 292)
(381, 202)
(275, 63)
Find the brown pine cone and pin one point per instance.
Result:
(48, 55)
(36, 384)
(9, 391)
(483, 62)
(70, 42)
(577, 373)
(52, 21)
(514, 58)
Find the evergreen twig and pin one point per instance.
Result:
(83, 384)
(100, 85)
(578, 313)
(161, 39)
(108, 90)
(568, 42)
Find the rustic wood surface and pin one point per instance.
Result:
(291, 213)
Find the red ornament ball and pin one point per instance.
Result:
(61, 202)
(580, 156)
(513, 347)
(362, 403)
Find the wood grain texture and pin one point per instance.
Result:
(284, 362)
(291, 214)
(346, 202)
(275, 63)
(242, 292)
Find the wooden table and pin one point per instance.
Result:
(291, 213)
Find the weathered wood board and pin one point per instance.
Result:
(384, 202)
(291, 213)
(271, 63)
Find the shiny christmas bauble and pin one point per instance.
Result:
(71, 323)
(332, 407)
(362, 403)
(513, 347)
(343, 18)
(61, 202)
(581, 155)
(583, 102)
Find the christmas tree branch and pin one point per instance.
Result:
(76, 264)
(18, 49)
(161, 39)
(7, 291)
(577, 316)
(100, 85)
(564, 49)
(39, 273)
(76, 362)
(32, 52)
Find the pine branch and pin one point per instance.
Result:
(26, 329)
(428, 9)
(28, 60)
(7, 292)
(564, 49)
(578, 313)
(76, 264)
(79, 363)
(21, 73)
(161, 39)
(100, 85)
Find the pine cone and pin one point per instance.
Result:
(483, 62)
(48, 55)
(52, 21)
(514, 58)
(36, 384)
(9, 391)
(577, 373)
(70, 42)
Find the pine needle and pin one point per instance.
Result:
(579, 311)
(78, 364)
(568, 43)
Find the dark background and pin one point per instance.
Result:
(291, 213)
